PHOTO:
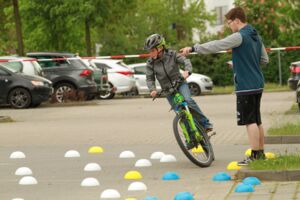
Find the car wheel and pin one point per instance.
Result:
(195, 89)
(109, 94)
(64, 92)
(19, 98)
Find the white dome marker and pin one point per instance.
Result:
(168, 158)
(137, 186)
(92, 167)
(28, 180)
(23, 171)
(143, 163)
(90, 182)
(72, 154)
(17, 155)
(157, 155)
(17, 199)
(110, 194)
(127, 154)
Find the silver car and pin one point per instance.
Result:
(198, 83)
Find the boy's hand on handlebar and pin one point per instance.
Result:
(153, 93)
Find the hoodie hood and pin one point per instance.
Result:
(249, 30)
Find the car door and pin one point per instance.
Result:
(5, 82)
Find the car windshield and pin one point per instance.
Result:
(37, 67)
(15, 67)
(78, 63)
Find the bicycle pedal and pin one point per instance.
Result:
(212, 134)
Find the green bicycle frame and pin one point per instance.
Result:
(179, 103)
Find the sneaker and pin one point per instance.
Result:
(261, 156)
(245, 162)
(208, 128)
(189, 145)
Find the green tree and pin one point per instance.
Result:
(18, 24)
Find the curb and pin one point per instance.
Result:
(6, 119)
(282, 140)
(269, 175)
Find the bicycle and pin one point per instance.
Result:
(189, 133)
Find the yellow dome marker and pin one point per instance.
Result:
(199, 149)
(270, 155)
(133, 175)
(96, 149)
(131, 199)
(248, 152)
(233, 166)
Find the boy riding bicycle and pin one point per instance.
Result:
(163, 64)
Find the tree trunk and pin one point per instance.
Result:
(18, 23)
(88, 37)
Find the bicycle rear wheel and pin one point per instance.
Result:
(201, 156)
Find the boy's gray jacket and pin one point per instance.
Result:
(166, 69)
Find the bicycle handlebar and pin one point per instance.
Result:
(169, 90)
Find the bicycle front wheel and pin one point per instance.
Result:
(201, 156)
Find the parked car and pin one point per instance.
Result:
(70, 78)
(120, 77)
(298, 94)
(21, 90)
(198, 83)
(295, 75)
(100, 77)
(27, 67)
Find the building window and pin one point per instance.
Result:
(220, 11)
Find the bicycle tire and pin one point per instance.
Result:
(208, 150)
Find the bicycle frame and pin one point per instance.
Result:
(181, 107)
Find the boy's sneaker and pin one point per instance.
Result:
(245, 162)
(209, 128)
(189, 145)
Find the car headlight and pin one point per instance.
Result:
(207, 80)
(37, 83)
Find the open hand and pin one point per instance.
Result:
(185, 51)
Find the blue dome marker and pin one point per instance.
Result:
(150, 198)
(244, 188)
(221, 176)
(170, 176)
(252, 181)
(184, 196)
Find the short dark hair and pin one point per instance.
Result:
(236, 13)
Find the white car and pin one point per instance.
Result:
(27, 67)
(120, 77)
(198, 83)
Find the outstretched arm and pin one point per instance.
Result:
(232, 41)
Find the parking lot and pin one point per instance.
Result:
(44, 134)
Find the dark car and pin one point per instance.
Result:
(295, 75)
(70, 77)
(23, 91)
(298, 95)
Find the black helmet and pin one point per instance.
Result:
(154, 41)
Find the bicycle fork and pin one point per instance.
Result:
(192, 126)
